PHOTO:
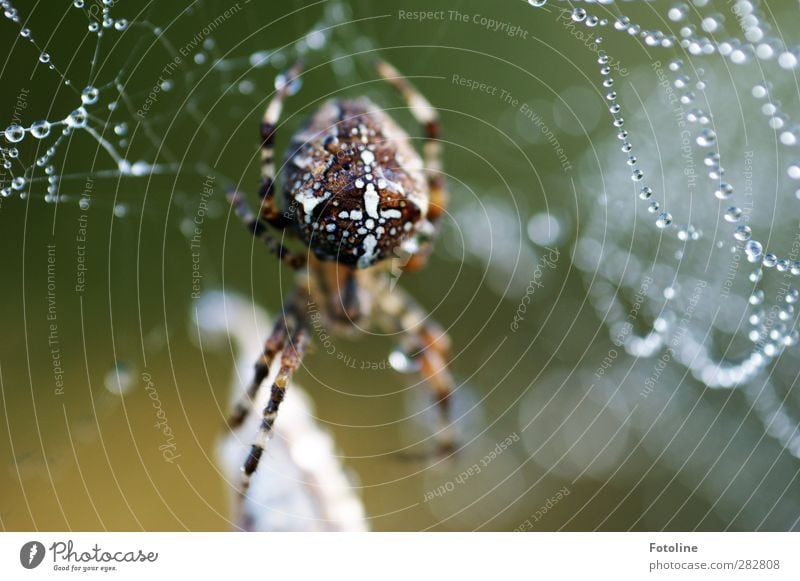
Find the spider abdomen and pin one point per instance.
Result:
(353, 184)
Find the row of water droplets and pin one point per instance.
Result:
(330, 34)
(113, 139)
(58, 130)
(102, 19)
(758, 40)
(770, 337)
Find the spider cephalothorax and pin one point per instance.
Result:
(356, 185)
(355, 192)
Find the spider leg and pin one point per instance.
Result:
(285, 85)
(259, 229)
(428, 118)
(268, 212)
(426, 115)
(295, 346)
(428, 345)
(434, 359)
(274, 343)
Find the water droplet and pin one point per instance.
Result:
(664, 220)
(677, 12)
(681, 82)
(40, 129)
(545, 229)
(18, 183)
(402, 363)
(733, 214)
(742, 232)
(753, 250)
(578, 14)
(281, 84)
(89, 95)
(756, 298)
(712, 159)
(712, 23)
(140, 168)
(78, 118)
(120, 379)
(706, 138)
(537, 3)
(791, 136)
(724, 191)
(14, 133)
(44, 57)
(788, 60)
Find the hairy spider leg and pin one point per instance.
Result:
(268, 213)
(269, 210)
(274, 344)
(425, 114)
(426, 343)
(260, 230)
(296, 343)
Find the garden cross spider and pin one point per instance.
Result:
(356, 193)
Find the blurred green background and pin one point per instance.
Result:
(88, 458)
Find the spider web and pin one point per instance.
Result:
(137, 120)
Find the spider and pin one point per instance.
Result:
(355, 193)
